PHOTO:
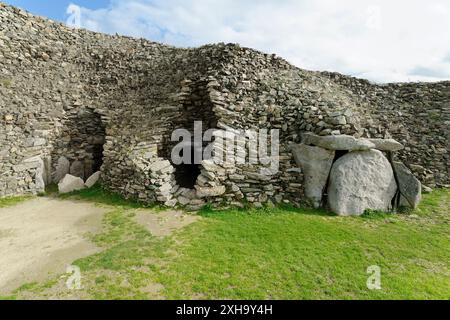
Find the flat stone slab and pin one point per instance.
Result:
(92, 180)
(41, 172)
(349, 143)
(338, 143)
(410, 187)
(387, 144)
(62, 168)
(205, 192)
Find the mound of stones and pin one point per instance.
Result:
(73, 101)
(350, 175)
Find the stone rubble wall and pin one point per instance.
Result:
(64, 91)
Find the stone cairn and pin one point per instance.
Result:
(85, 104)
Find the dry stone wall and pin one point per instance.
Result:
(91, 101)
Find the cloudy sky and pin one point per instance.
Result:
(381, 40)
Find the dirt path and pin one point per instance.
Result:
(42, 237)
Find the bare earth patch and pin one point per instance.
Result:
(41, 237)
(165, 223)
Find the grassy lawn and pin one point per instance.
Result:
(265, 254)
(12, 201)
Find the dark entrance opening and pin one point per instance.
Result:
(97, 157)
(82, 141)
(186, 174)
(93, 141)
(196, 106)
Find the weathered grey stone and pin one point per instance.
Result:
(171, 203)
(195, 205)
(161, 166)
(258, 176)
(77, 169)
(204, 192)
(23, 167)
(39, 142)
(47, 175)
(426, 189)
(92, 180)
(183, 200)
(70, 183)
(187, 193)
(40, 173)
(360, 181)
(342, 142)
(340, 120)
(62, 168)
(409, 186)
(387, 144)
(209, 165)
(4, 153)
(316, 165)
(39, 179)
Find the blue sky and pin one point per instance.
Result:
(380, 40)
(55, 9)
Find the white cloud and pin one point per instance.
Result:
(382, 40)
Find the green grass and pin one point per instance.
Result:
(12, 201)
(279, 253)
(122, 268)
(102, 196)
(293, 255)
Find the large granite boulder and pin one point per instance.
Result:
(62, 169)
(316, 164)
(338, 143)
(70, 184)
(409, 186)
(359, 181)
